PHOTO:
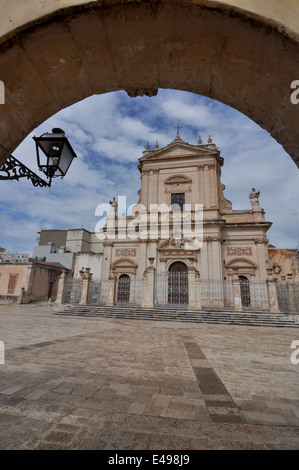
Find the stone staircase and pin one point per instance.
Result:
(248, 318)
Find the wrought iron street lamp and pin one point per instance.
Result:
(54, 157)
(54, 153)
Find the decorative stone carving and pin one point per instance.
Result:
(142, 92)
(178, 179)
(168, 249)
(211, 239)
(150, 172)
(239, 251)
(178, 182)
(125, 252)
(261, 240)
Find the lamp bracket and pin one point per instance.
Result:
(13, 169)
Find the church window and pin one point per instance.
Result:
(178, 199)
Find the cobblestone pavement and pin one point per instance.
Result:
(88, 383)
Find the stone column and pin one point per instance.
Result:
(237, 293)
(85, 286)
(192, 304)
(111, 290)
(148, 286)
(272, 292)
(61, 286)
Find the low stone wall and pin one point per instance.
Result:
(9, 299)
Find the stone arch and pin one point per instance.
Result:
(244, 267)
(176, 179)
(244, 57)
(171, 262)
(176, 262)
(124, 266)
(236, 262)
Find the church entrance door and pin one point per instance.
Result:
(123, 288)
(178, 284)
(245, 291)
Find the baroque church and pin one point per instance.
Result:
(182, 177)
(183, 244)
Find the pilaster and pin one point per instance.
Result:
(148, 286)
(237, 293)
(192, 284)
(61, 286)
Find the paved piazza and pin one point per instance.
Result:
(88, 383)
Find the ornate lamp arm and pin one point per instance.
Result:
(13, 169)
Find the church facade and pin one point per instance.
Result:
(184, 230)
(183, 244)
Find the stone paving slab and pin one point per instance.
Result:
(88, 383)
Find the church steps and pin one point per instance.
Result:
(162, 314)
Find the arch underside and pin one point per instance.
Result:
(140, 47)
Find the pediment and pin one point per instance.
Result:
(178, 179)
(241, 263)
(179, 150)
(124, 262)
(183, 248)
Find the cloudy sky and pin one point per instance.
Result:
(109, 133)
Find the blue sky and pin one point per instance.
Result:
(109, 132)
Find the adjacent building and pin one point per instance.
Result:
(28, 281)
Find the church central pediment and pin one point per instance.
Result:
(176, 149)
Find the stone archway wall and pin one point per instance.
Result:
(244, 56)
